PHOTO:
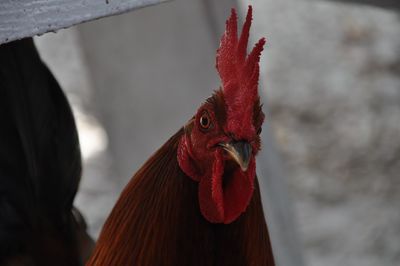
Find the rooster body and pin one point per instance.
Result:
(196, 201)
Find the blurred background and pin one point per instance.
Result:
(330, 168)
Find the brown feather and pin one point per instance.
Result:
(157, 221)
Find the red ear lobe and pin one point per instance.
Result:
(185, 160)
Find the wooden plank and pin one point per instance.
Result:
(26, 18)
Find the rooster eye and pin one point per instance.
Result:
(205, 121)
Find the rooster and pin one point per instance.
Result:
(197, 201)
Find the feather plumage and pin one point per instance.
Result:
(156, 221)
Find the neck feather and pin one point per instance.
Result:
(157, 221)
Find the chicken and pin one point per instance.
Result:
(196, 201)
(40, 165)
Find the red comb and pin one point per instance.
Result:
(239, 73)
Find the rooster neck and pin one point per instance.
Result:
(157, 221)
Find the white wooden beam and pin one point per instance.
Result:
(26, 18)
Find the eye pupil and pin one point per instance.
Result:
(204, 121)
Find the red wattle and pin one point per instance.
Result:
(220, 204)
(211, 193)
(238, 194)
(219, 201)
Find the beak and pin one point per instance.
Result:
(240, 151)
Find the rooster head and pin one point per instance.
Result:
(220, 142)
